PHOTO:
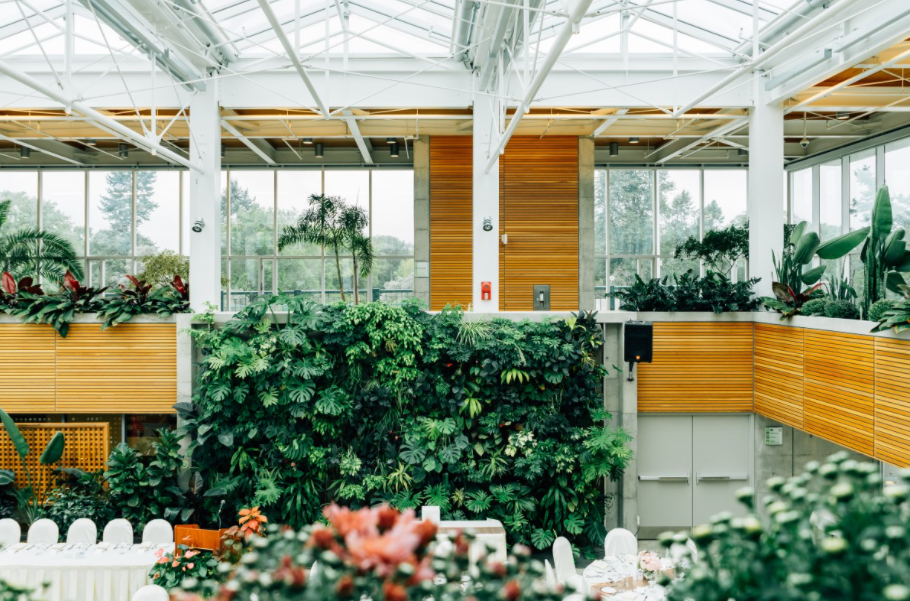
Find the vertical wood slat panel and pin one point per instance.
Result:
(27, 368)
(698, 367)
(539, 212)
(779, 373)
(131, 368)
(451, 218)
(892, 401)
(839, 388)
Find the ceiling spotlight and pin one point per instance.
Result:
(91, 142)
(25, 153)
(390, 140)
(319, 151)
(393, 150)
(634, 140)
(614, 149)
(223, 151)
(123, 150)
(842, 115)
(308, 141)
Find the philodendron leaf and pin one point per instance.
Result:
(14, 434)
(882, 219)
(895, 247)
(54, 450)
(805, 248)
(835, 248)
(813, 275)
(797, 233)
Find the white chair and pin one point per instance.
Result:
(151, 592)
(430, 513)
(564, 562)
(118, 531)
(157, 532)
(10, 532)
(82, 530)
(619, 543)
(43, 531)
(693, 550)
(551, 575)
(444, 548)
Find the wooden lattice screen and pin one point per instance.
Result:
(87, 447)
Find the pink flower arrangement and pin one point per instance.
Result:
(649, 562)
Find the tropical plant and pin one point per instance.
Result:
(842, 309)
(171, 569)
(789, 295)
(36, 253)
(898, 316)
(127, 479)
(816, 306)
(60, 308)
(879, 309)
(884, 253)
(78, 494)
(159, 269)
(10, 288)
(860, 549)
(688, 292)
(29, 505)
(720, 249)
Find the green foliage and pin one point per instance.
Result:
(816, 306)
(59, 309)
(714, 292)
(127, 479)
(79, 495)
(842, 309)
(161, 268)
(14, 592)
(172, 569)
(140, 298)
(898, 316)
(30, 507)
(28, 251)
(719, 249)
(859, 549)
(879, 309)
(789, 292)
(367, 403)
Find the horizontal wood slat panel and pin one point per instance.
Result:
(27, 368)
(779, 373)
(131, 368)
(698, 367)
(892, 401)
(451, 214)
(538, 209)
(838, 390)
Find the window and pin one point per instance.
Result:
(157, 212)
(726, 193)
(679, 197)
(801, 199)
(830, 200)
(862, 188)
(21, 189)
(63, 206)
(897, 177)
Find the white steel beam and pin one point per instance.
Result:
(717, 133)
(249, 143)
(39, 149)
(358, 138)
(292, 55)
(610, 121)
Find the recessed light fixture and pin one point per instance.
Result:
(634, 140)
(319, 150)
(390, 140)
(614, 149)
(308, 141)
(25, 153)
(123, 150)
(393, 150)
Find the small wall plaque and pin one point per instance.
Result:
(774, 436)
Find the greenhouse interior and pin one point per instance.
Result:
(441, 300)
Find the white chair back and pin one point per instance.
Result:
(117, 532)
(82, 530)
(10, 532)
(619, 543)
(151, 592)
(551, 575)
(158, 532)
(693, 550)
(564, 561)
(43, 531)
(430, 513)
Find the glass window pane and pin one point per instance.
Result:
(393, 213)
(352, 186)
(109, 272)
(294, 191)
(249, 278)
(390, 275)
(862, 189)
(830, 200)
(679, 194)
(631, 212)
(157, 210)
(675, 267)
(332, 293)
(801, 197)
(726, 191)
(301, 277)
(600, 279)
(897, 176)
(622, 273)
(600, 213)
(110, 213)
(63, 206)
(252, 213)
(21, 189)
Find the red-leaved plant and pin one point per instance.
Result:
(139, 293)
(10, 288)
(77, 292)
(180, 287)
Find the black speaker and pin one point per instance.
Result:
(639, 341)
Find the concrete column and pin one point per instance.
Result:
(766, 201)
(205, 198)
(620, 399)
(485, 205)
(422, 219)
(586, 223)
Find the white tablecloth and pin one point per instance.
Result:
(95, 573)
(615, 576)
(490, 535)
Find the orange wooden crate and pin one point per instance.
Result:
(195, 537)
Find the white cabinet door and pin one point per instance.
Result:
(721, 462)
(664, 473)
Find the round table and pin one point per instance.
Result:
(619, 576)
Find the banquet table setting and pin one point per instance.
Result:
(81, 571)
(617, 578)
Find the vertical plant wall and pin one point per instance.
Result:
(358, 405)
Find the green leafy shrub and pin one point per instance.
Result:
(79, 495)
(719, 249)
(172, 569)
(842, 309)
(816, 306)
(898, 316)
(879, 308)
(798, 252)
(161, 268)
(859, 549)
(714, 292)
(127, 479)
(379, 403)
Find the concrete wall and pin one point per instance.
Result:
(586, 223)
(422, 218)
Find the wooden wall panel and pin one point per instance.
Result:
(539, 211)
(892, 401)
(451, 210)
(779, 373)
(698, 367)
(27, 368)
(839, 386)
(131, 368)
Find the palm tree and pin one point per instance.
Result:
(318, 225)
(37, 253)
(352, 221)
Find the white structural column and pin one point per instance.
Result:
(766, 191)
(205, 198)
(486, 205)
